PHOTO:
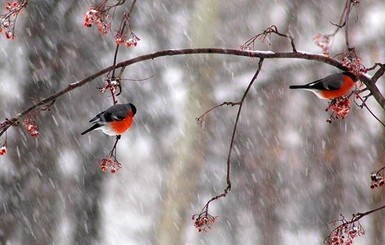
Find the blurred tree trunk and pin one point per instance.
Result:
(36, 183)
(271, 165)
(331, 172)
(30, 213)
(189, 152)
(88, 191)
(379, 196)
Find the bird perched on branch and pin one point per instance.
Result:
(113, 121)
(330, 87)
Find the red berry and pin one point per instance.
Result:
(35, 133)
(3, 150)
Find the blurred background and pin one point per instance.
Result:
(292, 173)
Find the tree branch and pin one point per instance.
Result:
(175, 52)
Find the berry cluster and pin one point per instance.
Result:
(8, 19)
(346, 233)
(98, 18)
(122, 36)
(132, 40)
(31, 126)
(111, 85)
(324, 42)
(377, 179)
(110, 163)
(203, 221)
(351, 60)
(340, 108)
(3, 150)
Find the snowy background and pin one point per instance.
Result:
(292, 172)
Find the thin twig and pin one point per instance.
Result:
(200, 118)
(347, 13)
(131, 8)
(249, 44)
(124, 23)
(370, 111)
(228, 177)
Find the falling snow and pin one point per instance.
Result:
(292, 173)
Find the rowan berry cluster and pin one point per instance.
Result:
(324, 42)
(203, 221)
(31, 126)
(346, 233)
(111, 85)
(351, 60)
(340, 108)
(125, 35)
(110, 163)
(132, 39)
(8, 19)
(3, 150)
(99, 18)
(377, 179)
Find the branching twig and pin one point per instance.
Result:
(324, 41)
(200, 118)
(347, 13)
(363, 104)
(249, 44)
(204, 214)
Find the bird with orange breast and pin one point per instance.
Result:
(330, 87)
(114, 121)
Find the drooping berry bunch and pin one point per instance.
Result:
(125, 35)
(110, 163)
(377, 178)
(203, 220)
(31, 126)
(324, 42)
(352, 61)
(345, 233)
(111, 85)
(29, 121)
(8, 19)
(98, 16)
(340, 108)
(3, 149)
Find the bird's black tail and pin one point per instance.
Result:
(298, 86)
(91, 128)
